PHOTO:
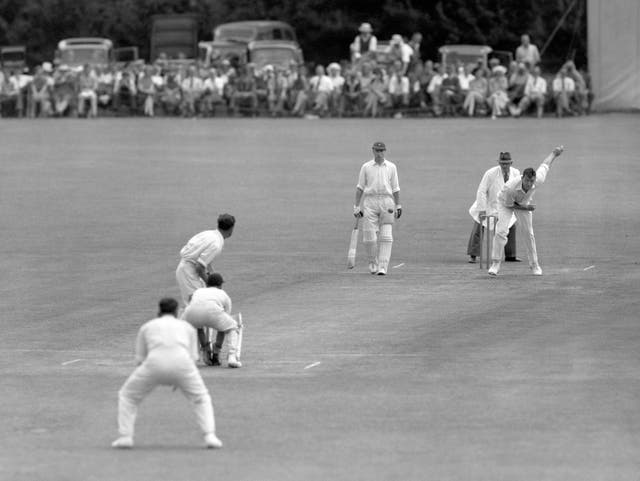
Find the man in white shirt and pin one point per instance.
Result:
(515, 198)
(166, 351)
(321, 87)
(527, 52)
(379, 191)
(196, 259)
(211, 307)
(486, 204)
(535, 92)
(364, 44)
(399, 50)
(563, 88)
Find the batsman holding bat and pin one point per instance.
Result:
(515, 198)
(379, 192)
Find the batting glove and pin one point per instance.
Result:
(356, 211)
(398, 211)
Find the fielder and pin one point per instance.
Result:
(379, 191)
(196, 259)
(211, 307)
(166, 354)
(486, 204)
(515, 198)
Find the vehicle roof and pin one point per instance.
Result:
(273, 43)
(85, 42)
(13, 48)
(466, 49)
(255, 23)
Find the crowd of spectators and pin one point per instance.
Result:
(393, 82)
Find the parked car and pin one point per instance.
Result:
(174, 37)
(94, 51)
(251, 30)
(464, 54)
(13, 57)
(211, 52)
(276, 53)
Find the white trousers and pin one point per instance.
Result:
(171, 367)
(524, 219)
(188, 280)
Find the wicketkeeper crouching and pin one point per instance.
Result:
(211, 307)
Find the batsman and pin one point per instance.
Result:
(378, 191)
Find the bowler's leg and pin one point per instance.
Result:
(525, 221)
(499, 239)
(510, 247)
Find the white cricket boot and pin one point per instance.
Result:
(233, 361)
(373, 268)
(494, 269)
(123, 442)
(211, 441)
(536, 270)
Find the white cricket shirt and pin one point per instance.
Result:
(378, 179)
(203, 247)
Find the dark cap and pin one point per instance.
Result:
(214, 280)
(505, 158)
(379, 146)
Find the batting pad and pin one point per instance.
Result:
(386, 243)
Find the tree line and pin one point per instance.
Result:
(325, 27)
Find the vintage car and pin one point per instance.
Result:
(93, 51)
(211, 52)
(13, 57)
(248, 31)
(275, 53)
(471, 54)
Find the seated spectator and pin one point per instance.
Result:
(450, 93)
(125, 91)
(580, 99)
(147, 91)
(104, 90)
(563, 89)
(64, 92)
(416, 97)
(192, 90)
(298, 91)
(399, 50)
(321, 87)
(527, 52)
(337, 80)
(39, 95)
(398, 89)
(425, 74)
(416, 56)
(213, 92)
(465, 76)
(433, 90)
(477, 95)
(245, 96)
(376, 94)
(534, 93)
(364, 43)
(350, 99)
(171, 95)
(498, 99)
(10, 96)
(87, 86)
(276, 90)
(261, 85)
(517, 83)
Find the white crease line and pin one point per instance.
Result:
(312, 365)
(71, 362)
(587, 268)
(399, 265)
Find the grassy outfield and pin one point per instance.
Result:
(434, 372)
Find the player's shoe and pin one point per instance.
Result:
(493, 270)
(206, 354)
(382, 271)
(123, 442)
(373, 268)
(214, 359)
(211, 441)
(536, 270)
(233, 361)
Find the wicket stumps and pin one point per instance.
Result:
(490, 233)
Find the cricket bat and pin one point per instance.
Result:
(353, 245)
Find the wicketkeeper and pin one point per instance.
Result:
(211, 307)
(379, 191)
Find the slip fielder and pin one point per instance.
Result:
(379, 191)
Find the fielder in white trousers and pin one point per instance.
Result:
(516, 198)
(166, 353)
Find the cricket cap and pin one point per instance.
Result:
(505, 158)
(379, 146)
(214, 280)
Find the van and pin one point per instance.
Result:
(94, 51)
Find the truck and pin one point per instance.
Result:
(13, 57)
(93, 51)
(174, 38)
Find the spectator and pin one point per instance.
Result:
(276, 90)
(192, 89)
(527, 52)
(105, 86)
(87, 86)
(321, 88)
(517, 83)
(39, 95)
(125, 91)
(534, 93)
(580, 99)
(337, 80)
(450, 92)
(64, 92)
(171, 95)
(563, 88)
(10, 98)
(416, 44)
(498, 98)
(245, 94)
(376, 94)
(147, 91)
(398, 89)
(433, 90)
(213, 92)
(399, 50)
(365, 43)
(477, 95)
(351, 98)
(465, 76)
(299, 91)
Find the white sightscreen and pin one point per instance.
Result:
(614, 53)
